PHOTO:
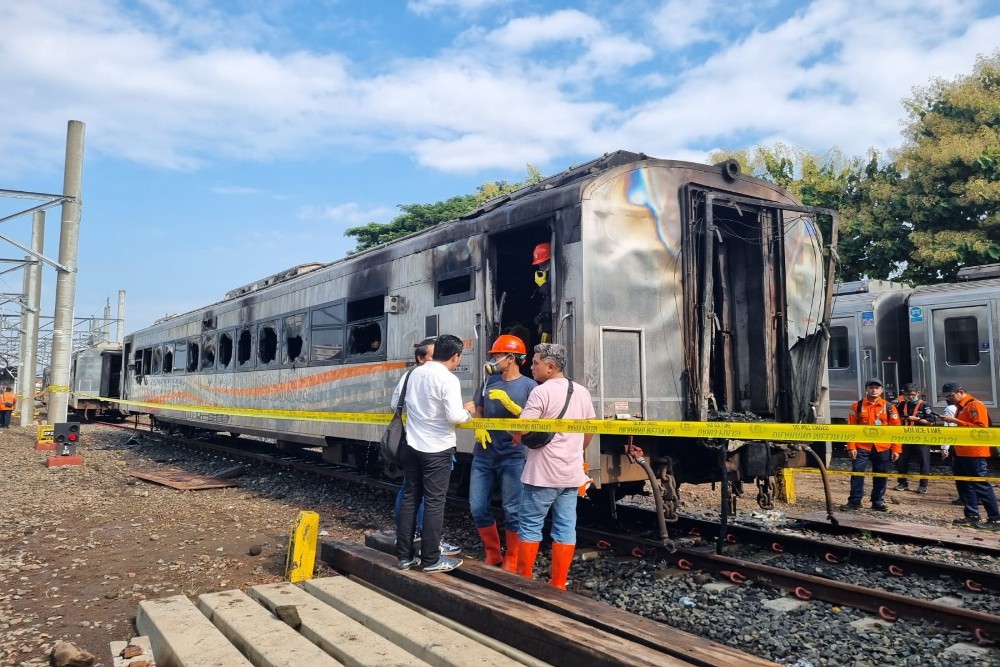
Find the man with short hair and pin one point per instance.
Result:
(914, 412)
(970, 460)
(872, 410)
(433, 408)
(554, 472)
(422, 352)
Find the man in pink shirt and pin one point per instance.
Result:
(554, 472)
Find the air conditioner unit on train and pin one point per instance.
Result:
(393, 304)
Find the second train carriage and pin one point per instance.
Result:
(679, 289)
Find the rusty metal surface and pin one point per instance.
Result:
(183, 480)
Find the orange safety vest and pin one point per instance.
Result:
(5, 398)
(879, 413)
(972, 413)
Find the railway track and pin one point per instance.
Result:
(640, 542)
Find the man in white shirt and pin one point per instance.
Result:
(433, 408)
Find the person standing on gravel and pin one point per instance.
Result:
(7, 402)
(914, 412)
(422, 353)
(970, 460)
(872, 410)
(554, 472)
(433, 409)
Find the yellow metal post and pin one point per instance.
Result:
(302, 547)
(788, 481)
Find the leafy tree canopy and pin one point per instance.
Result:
(415, 217)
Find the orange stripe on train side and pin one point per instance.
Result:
(194, 398)
(308, 381)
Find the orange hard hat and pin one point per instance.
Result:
(507, 344)
(541, 253)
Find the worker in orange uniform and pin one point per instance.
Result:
(872, 410)
(541, 257)
(970, 460)
(7, 402)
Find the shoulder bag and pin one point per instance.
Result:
(395, 433)
(538, 439)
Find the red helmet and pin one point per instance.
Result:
(542, 253)
(507, 344)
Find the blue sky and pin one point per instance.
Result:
(228, 140)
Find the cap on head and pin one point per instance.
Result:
(951, 387)
(873, 381)
(541, 254)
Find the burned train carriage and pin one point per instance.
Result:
(679, 289)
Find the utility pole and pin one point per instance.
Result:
(69, 237)
(29, 324)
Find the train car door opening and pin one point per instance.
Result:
(962, 349)
(522, 282)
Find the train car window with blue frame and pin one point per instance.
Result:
(225, 350)
(208, 352)
(961, 341)
(293, 332)
(244, 349)
(267, 344)
(366, 328)
(839, 355)
(326, 333)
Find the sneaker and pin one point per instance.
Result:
(880, 508)
(444, 564)
(989, 524)
(407, 563)
(966, 521)
(450, 549)
(850, 507)
(902, 487)
(922, 490)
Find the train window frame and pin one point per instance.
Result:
(360, 320)
(846, 338)
(156, 364)
(262, 327)
(209, 341)
(336, 324)
(303, 358)
(955, 349)
(231, 335)
(180, 356)
(448, 281)
(168, 353)
(249, 364)
(193, 355)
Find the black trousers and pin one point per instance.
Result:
(427, 477)
(5, 418)
(918, 454)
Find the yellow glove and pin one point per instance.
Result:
(500, 395)
(483, 437)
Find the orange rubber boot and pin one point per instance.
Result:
(510, 558)
(491, 540)
(562, 556)
(526, 554)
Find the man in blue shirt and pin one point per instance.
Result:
(496, 458)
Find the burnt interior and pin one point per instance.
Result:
(517, 298)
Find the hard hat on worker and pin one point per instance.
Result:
(507, 344)
(542, 253)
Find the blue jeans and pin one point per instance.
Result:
(486, 471)
(399, 503)
(975, 493)
(881, 462)
(535, 504)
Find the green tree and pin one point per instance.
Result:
(951, 162)
(416, 217)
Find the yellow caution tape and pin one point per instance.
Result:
(917, 435)
(849, 473)
(56, 389)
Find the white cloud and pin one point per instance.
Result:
(349, 214)
(680, 23)
(524, 34)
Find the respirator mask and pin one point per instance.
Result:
(492, 366)
(541, 277)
